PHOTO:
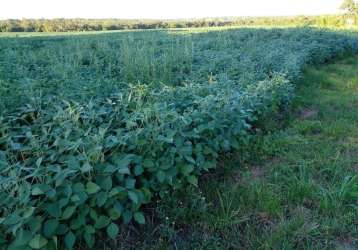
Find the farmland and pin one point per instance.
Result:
(296, 189)
(96, 128)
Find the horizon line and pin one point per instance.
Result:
(172, 19)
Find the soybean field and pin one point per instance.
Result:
(96, 128)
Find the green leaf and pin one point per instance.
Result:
(93, 214)
(121, 165)
(16, 146)
(117, 191)
(89, 229)
(127, 216)
(62, 229)
(38, 242)
(28, 212)
(147, 195)
(40, 189)
(75, 198)
(110, 169)
(133, 196)
(23, 237)
(78, 188)
(38, 162)
(51, 193)
(63, 202)
(83, 196)
(105, 183)
(12, 219)
(92, 188)
(112, 231)
(130, 183)
(101, 198)
(125, 161)
(192, 180)
(138, 170)
(116, 212)
(139, 217)
(190, 159)
(70, 239)
(37, 191)
(73, 163)
(35, 224)
(86, 168)
(101, 222)
(124, 170)
(78, 222)
(186, 169)
(148, 163)
(50, 227)
(161, 176)
(68, 212)
(118, 207)
(89, 240)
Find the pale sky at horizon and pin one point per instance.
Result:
(163, 9)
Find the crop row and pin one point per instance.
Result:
(92, 128)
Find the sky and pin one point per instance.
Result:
(162, 9)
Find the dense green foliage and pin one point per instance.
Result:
(92, 127)
(62, 25)
(297, 188)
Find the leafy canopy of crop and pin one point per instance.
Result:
(92, 127)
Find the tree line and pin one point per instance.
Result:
(350, 7)
(64, 25)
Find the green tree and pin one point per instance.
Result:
(350, 6)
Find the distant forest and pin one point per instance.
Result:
(64, 25)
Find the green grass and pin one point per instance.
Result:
(298, 190)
